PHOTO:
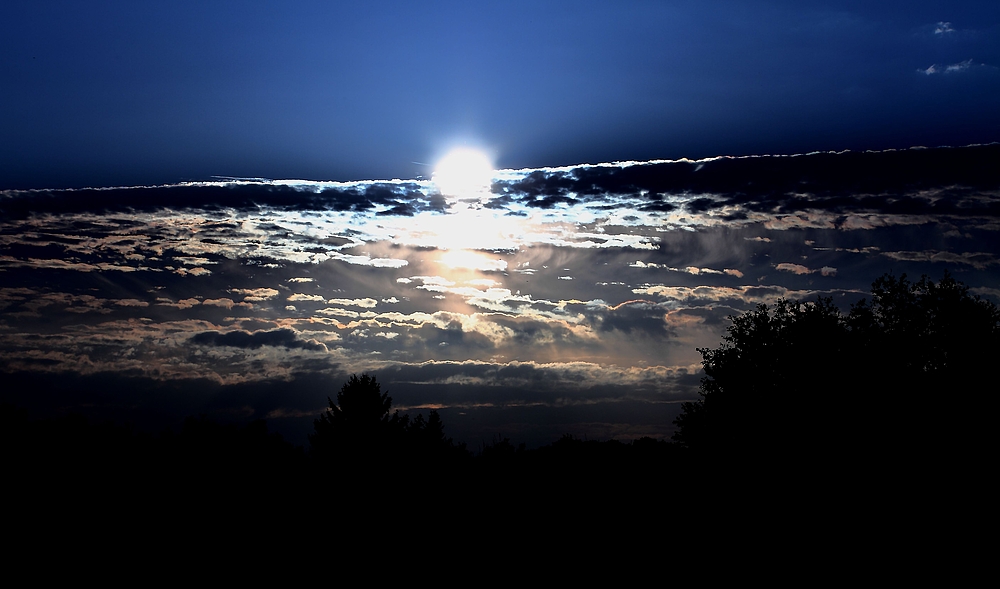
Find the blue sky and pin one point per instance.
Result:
(125, 93)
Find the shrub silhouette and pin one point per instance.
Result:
(804, 381)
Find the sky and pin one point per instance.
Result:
(127, 93)
(228, 208)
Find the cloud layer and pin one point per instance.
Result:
(563, 296)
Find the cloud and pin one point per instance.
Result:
(366, 303)
(225, 303)
(285, 338)
(367, 260)
(716, 236)
(58, 264)
(724, 187)
(978, 260)
(794, 268)
(695, 270)
(193, 261)
(943, 28)
(954, 68)
(731, 185)
(256, 294)
(306, 297)
(985, 291)
(182, 304)
(958, 67)
(397, 198)
(197, 271)
(639, 317)
(131, 303)
(800, 269)
(338, 312)
(737, 297)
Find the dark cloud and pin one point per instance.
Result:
(638, 318)
(402, 198)
(945, 181)
(285, 338)
(885, 182)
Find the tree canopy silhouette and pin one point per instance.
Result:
(358, 423)
(359, 431)
(799, 379)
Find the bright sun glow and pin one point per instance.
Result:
(463, 172)
(471, 260)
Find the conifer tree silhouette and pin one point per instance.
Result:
(358, 426)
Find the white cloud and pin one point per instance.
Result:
(256, 294)
(193, 261)
(950, 69)
(943, 28)
(958, 67)
(483, 282)
(388, 263)
(366, 303)
(369, 261)
(336, 312)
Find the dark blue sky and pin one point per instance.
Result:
(124, 93)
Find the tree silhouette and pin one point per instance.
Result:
(927, 351)
(805, 381)
(765, 385)
(358, 426)
(359, 432)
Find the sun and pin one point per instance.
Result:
(463, 172)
